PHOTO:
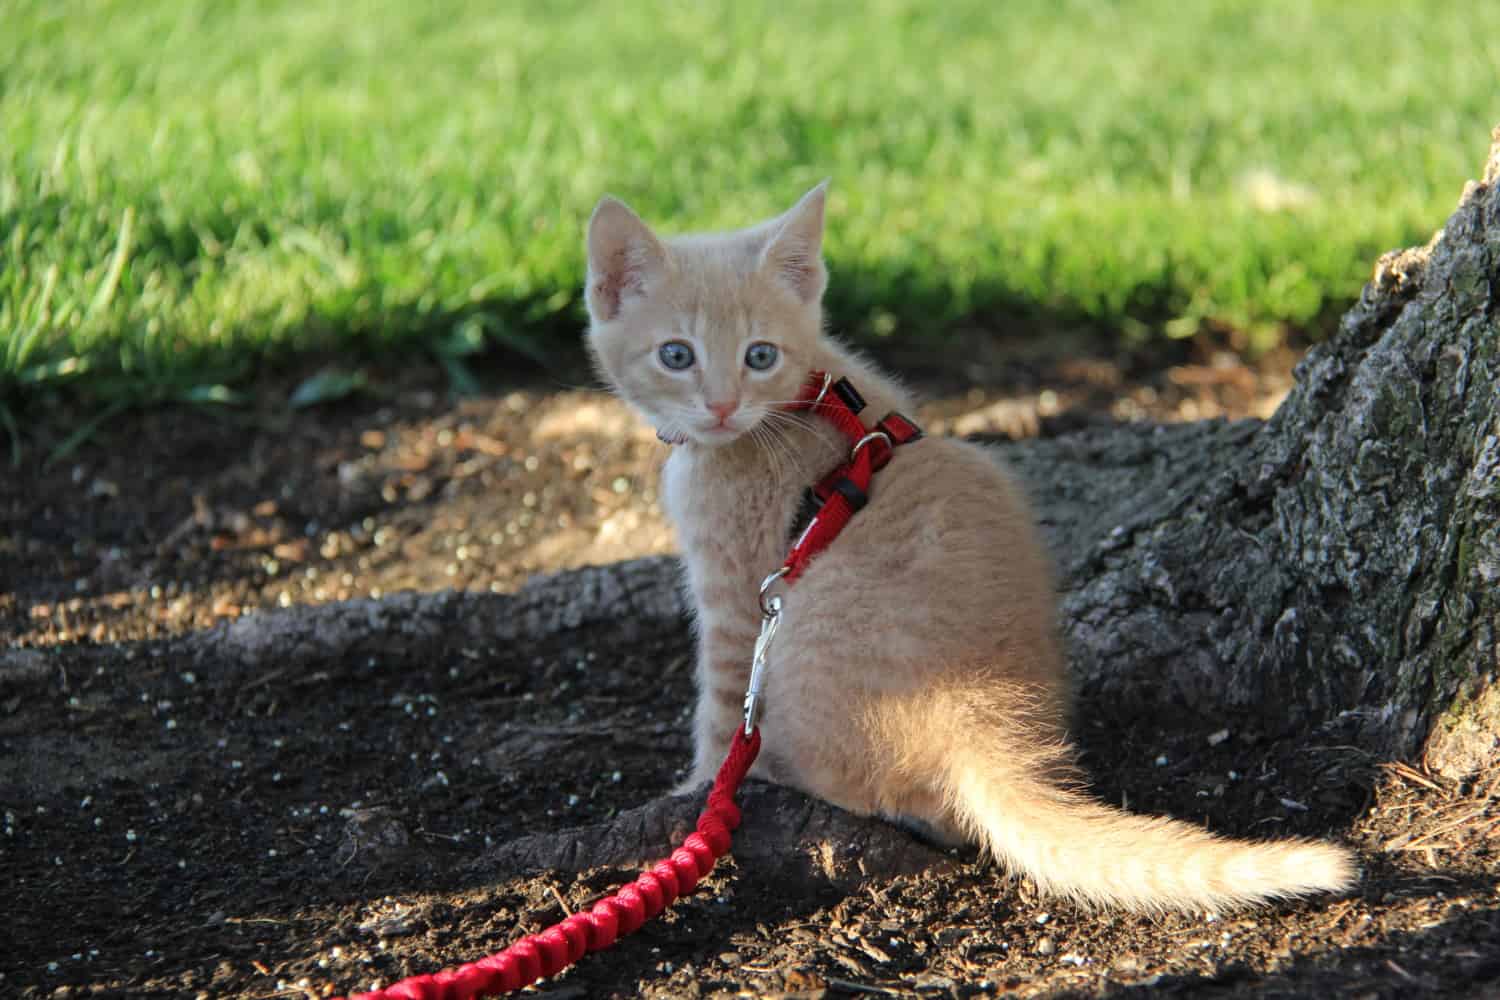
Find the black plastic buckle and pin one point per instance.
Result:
(849, 395)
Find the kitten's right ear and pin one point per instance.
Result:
(624, 257)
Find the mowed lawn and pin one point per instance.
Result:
(189, 187)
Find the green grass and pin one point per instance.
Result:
(191, 187)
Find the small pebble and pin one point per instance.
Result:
(1046, 946)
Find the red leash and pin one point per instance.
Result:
(839, 496)
(562, 944)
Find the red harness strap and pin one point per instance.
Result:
(844, 491)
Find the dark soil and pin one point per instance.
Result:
(176, 827)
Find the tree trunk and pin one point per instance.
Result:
(1342, 561)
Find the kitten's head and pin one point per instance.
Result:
(706, 334)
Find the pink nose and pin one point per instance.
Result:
(723, 410)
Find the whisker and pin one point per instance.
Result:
(796, 463)
(801, 404)
(792, 467)
(763, 441)
(786, 420)
(795, 419)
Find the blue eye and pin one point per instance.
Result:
(676, 355)
(761, 355)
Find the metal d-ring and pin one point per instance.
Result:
(771, 608)
(872, 436)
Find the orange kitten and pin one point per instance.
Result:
(917, 673)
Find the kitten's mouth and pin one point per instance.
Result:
(717, 433)
(710, 434)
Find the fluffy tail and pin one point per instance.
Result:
(1077, 847)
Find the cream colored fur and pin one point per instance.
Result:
(917, 673)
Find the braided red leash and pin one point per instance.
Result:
(562, 944)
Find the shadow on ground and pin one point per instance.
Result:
(186, 825)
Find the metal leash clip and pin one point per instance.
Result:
(770, 619)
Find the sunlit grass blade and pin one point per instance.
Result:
(19, 346)
(111, 282)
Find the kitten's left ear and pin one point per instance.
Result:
(795, 254)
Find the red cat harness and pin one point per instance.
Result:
(843, 492)
(835, 499)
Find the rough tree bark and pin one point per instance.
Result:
(1338, 565)
(1345, 561)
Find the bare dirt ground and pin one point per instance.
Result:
(185, 828)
